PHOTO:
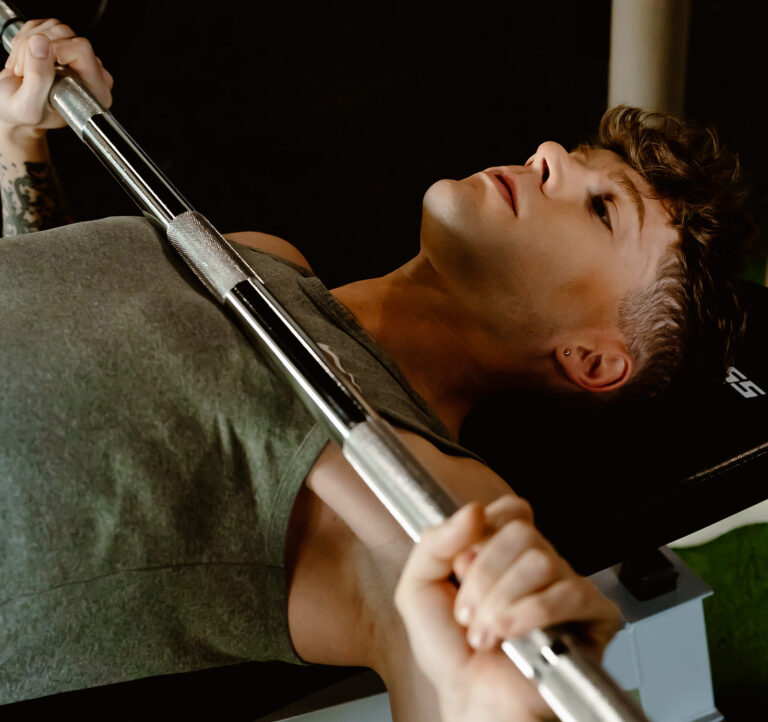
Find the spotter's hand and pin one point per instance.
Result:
(31, 68)
(513, 581)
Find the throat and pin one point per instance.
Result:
(405, 320)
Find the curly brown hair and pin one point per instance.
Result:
(690, 318)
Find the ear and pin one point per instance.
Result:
(605, 367)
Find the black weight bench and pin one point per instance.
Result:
(608, 484)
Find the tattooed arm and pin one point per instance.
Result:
(31, 196)
(30, 193)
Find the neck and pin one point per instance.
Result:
(411, 316)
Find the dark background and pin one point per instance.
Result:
(325, 123)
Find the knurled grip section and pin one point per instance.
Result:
(207, 253)
(394, 475)
(74, 101)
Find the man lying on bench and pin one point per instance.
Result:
(169, 505)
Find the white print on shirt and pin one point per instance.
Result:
(737, 380)
(337, 363)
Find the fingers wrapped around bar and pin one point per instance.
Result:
(25, 82)
(512, 581)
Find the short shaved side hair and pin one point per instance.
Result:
(689, 319)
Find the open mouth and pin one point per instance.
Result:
(508, 187)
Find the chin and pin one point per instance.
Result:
(452, 236)
(451, 209)
(442, 200)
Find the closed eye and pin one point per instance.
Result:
(600, 209)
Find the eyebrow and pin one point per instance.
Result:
(624, 181)
(621, 177)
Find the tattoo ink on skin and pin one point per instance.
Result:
(31, 199)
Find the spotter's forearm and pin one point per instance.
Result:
(32, 199)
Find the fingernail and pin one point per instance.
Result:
(464, 614)
(38, 46)
(477, 639)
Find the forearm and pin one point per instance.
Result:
(31, 195)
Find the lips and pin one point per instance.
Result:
(505, 188)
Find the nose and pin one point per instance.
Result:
(559, 171)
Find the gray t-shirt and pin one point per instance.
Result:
(149, 459)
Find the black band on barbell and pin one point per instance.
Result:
(7, 23)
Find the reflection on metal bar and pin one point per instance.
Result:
(576, 689)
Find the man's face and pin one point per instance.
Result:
(551, 245)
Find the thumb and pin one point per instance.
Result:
(39, 72)
(432, 558)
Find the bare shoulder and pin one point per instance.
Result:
(334, 481)
(339, 530)
(272, 244)
(464, 478)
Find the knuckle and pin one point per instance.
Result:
(525, 510)
(51, 26)
(82, 43)
(521, 532)
(540, 562)
(520, 508)
(543, 607)
(516, 506)
(578, 593)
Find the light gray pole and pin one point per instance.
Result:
(649, 48)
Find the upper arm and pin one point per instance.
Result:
(340, 487)
(339, 530)
(465, 479)
(271, 244)
(347, 536)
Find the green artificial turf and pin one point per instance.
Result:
(735, 565)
